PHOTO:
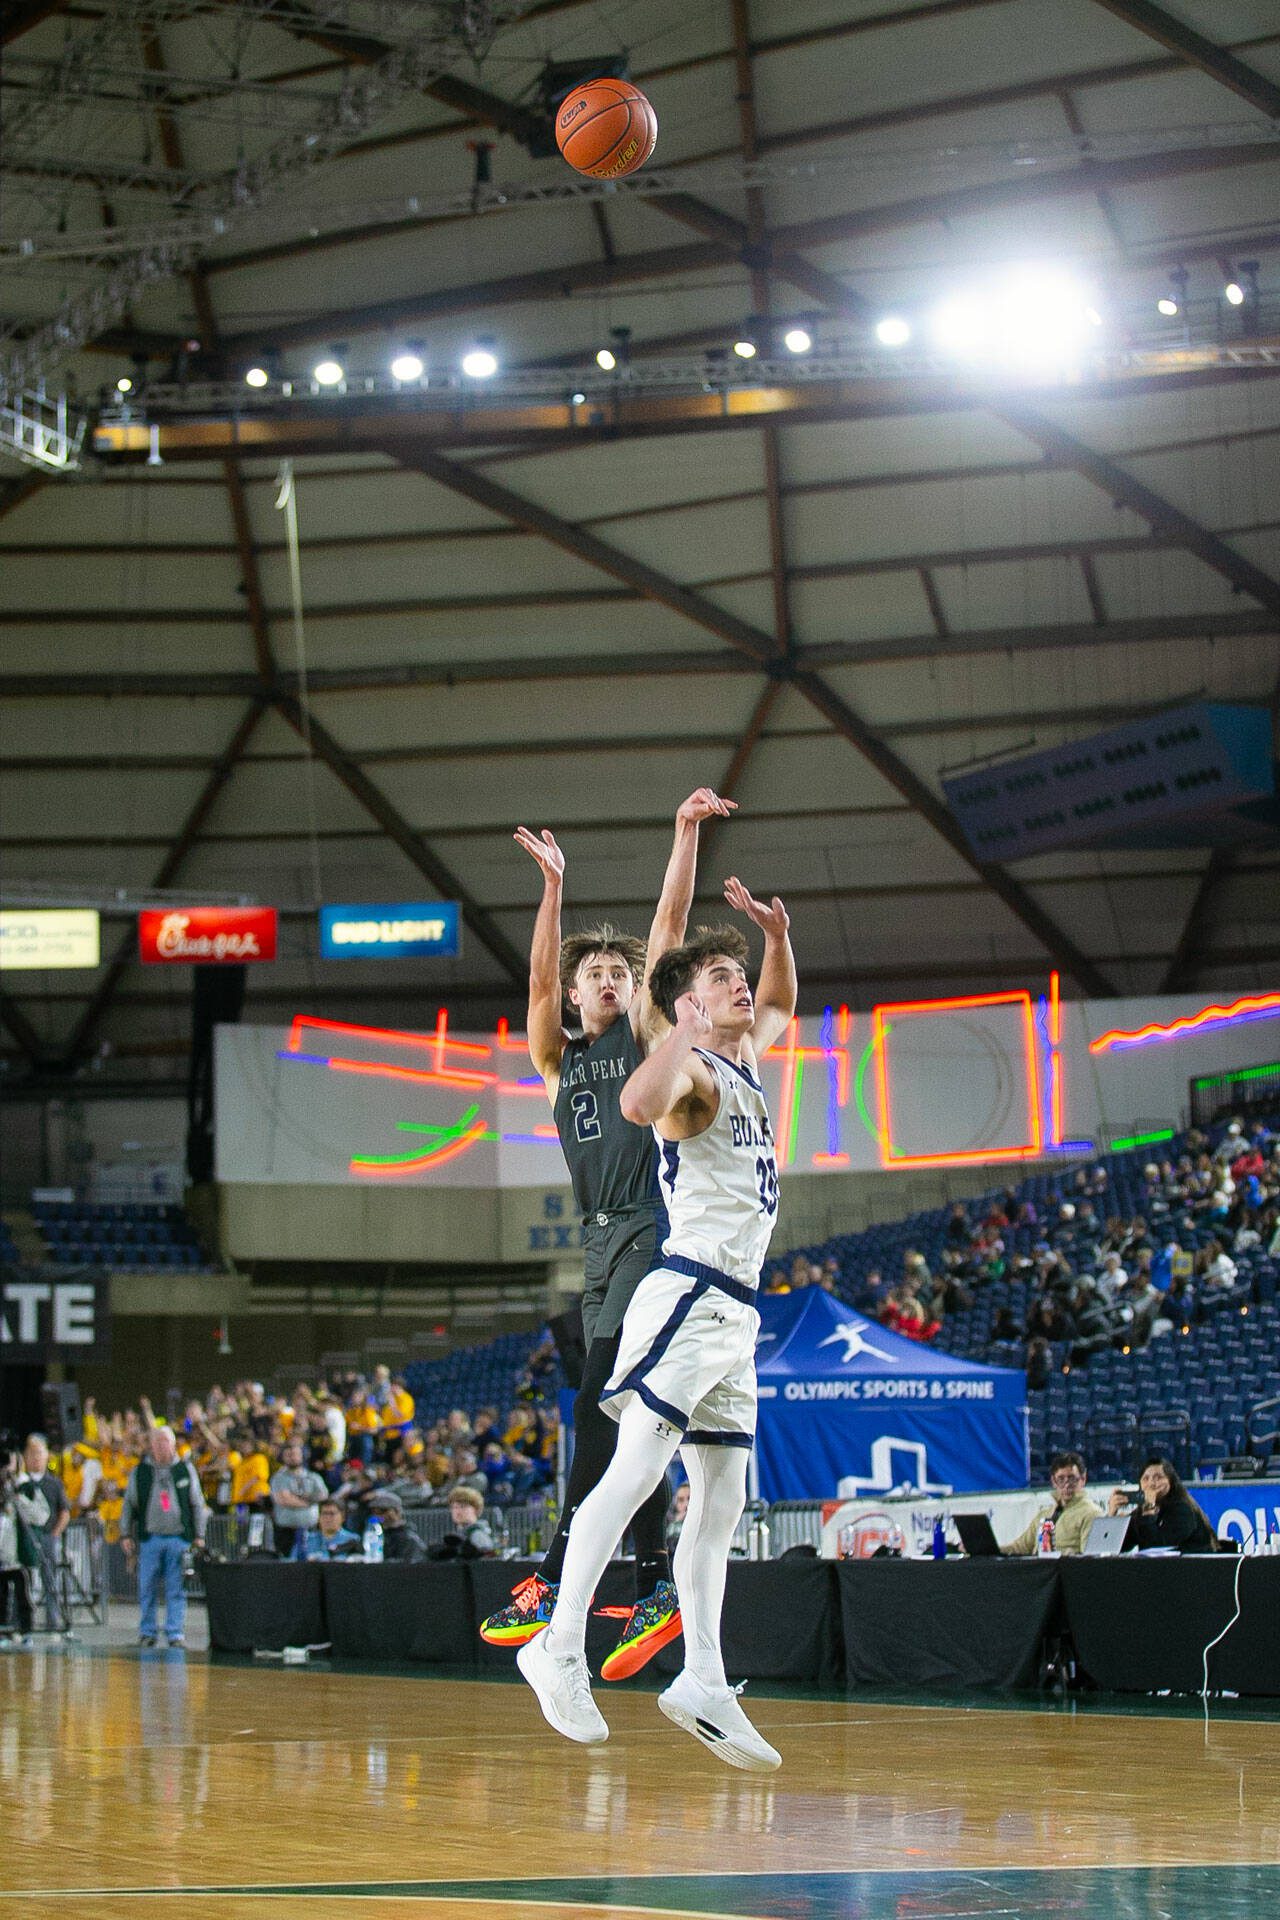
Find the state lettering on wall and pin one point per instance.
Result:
(44, 1319)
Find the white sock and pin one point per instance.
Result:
(646, 1444)
(717, 1493)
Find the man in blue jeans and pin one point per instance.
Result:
(164, 1513)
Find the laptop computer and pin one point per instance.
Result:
(977, 1535)
(1109, 1535)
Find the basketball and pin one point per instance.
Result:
(606, 129)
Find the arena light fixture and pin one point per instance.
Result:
(480, 362)
(745, 347)
(408, 364)
(1174, 297)
(256, 377)
(1031, 317)
(893, 331)
(606, 359)
(327, 373)
(1233, 293)
(124, 384)
(797, 340)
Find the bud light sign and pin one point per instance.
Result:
(206, 936)
(403, 931)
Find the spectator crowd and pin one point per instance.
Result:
(324, 1460)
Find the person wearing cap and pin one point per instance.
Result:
(471, 1537)
(397, 1541)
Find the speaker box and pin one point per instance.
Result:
(60, 1411)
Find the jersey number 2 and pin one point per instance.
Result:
(767, 1175)
(586, 1119)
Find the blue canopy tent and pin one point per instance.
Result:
(842, 1398)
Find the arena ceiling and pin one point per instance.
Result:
(817, 590)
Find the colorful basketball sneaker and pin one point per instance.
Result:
(528, 1614)
(651, 1623)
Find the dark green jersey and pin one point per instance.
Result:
(611, 1162)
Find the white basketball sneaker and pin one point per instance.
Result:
(563, 1687)
(712, 1715)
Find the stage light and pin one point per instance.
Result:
(961, 326)
(480, 362)
(577, 400)
(1033, 317)
(256, 377)
(893, 332)
(606, 359)
(745, 348)
(124, 384)
(408, 363)
(1233, 293)
(1174, 298)
(1093, 317)
(797, 340)
(327, 373)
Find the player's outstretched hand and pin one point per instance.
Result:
(544, 850)
(773, 919)
(702, 804)
(692, 1016)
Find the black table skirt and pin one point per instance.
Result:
(949, 1623)
(264, 1605)
(1142, 1625)
(1138, 1625)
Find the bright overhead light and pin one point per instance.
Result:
(797, 340)
(1174, 297)
(327, 373)
(745, 348)
(577, 399)
(256, 377)
(1167, 305)
(1234, 293)
(124, 384)
(407, 366)
(606, 359)
(893, 332)
(480, 362)
(1032, 318)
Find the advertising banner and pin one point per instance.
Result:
(402, 930)
(206, 936)
(32, 939)
(43, 1319)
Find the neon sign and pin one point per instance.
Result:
(1258, 1006)
(892, 1156)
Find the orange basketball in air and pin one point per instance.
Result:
(606, 129)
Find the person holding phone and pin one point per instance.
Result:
(1167, 1516)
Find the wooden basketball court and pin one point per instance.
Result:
(157, 1784)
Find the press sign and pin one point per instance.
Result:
(403, 930)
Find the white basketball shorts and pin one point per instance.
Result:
(688, 1351)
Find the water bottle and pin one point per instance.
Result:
(1046, 1535)
(759, 1540)
(939, 1544)
(372, 1543)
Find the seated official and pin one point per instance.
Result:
(1167, 1515)
(397, 1541)
(1071, 1512)
(329, 1539)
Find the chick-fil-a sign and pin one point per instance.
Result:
(206, 936)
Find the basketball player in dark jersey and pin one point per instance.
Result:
(603, 977)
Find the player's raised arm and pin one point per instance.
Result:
(776, 988)
(672, 913)
(671, 1077)
(545, 1029)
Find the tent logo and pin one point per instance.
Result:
(856, 1344)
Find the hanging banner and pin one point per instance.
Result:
(405, 930)
(206, 936)
(32, 939)
(43, 1319)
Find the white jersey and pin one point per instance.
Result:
(721, 1187)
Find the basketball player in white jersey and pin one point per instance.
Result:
(685, 1373)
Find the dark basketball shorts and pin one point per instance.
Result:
(620, 1248)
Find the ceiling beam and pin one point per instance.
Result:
(104, 991)
(393, 677)
(397, 829)
(1182, 961)
(1160, 25)
(14, 492)
(1160, 514)
(759, 647)
(12, 1017)
(21, 15)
